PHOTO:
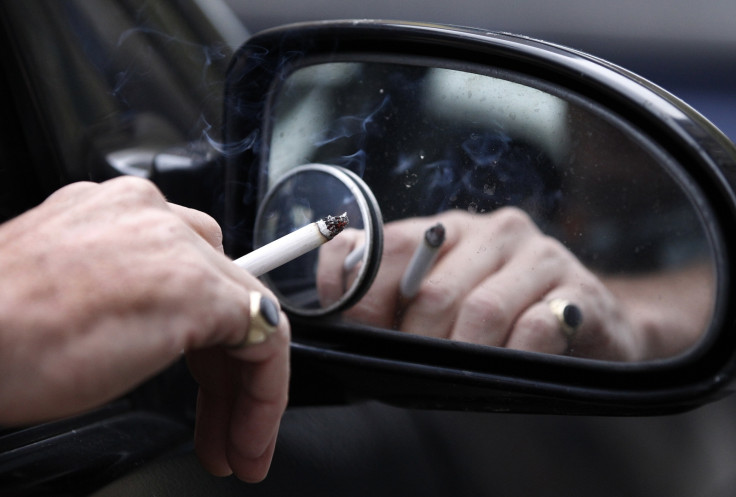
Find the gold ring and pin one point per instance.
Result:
(568, 315)
(264, 318)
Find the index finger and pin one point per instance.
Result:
(331, 272)
(203, 224)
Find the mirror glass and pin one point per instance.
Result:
(303, 196)
(565, 230)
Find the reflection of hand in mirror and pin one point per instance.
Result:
(494, 279)
(337, 266)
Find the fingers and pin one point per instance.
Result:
(511, 307)
(141, 280)
(332, 277)
(126, 186)
(595, 326)
(243, 394)
(212, 369)
(258, 406)
(382, 303)
(486, 256)
(538, 330)
(202, 224)
(493, 286)
(496, 304)
(553, 325)
(243, 391)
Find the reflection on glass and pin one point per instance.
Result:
(544, 195)
(303, 196)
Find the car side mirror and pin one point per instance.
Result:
(465, 126)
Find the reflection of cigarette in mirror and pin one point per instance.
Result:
(422, 261)
(291, 246)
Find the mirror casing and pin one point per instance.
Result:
(334, 362)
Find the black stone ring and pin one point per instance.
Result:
(568, 315)
(264, 318)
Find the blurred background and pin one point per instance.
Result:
(687, 47)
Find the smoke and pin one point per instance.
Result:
(356, 128)
(411, 143)
(250, 142)
(178, 76)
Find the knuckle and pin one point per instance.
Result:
(512, 219)
(398, 241)
(488, 309)
(190, 273)
(535, 325)
(72, 190)
(539, 333)
(553, 249)
(210, 229)
(550, 254)
(440, 298)
(135, 190)
(218, 312)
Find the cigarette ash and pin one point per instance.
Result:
(435, 235)
(335, 224)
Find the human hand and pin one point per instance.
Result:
(105, 285)
(492, 284)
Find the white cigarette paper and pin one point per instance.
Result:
(422, 260)
(293, 245)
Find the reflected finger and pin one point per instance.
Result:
(539, 329)
(332, 278)
(489, 312)
(380, 305)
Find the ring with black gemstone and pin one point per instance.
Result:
(264, 319)
(569, 316)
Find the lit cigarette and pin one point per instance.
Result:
(422, 261)
(291, 246)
